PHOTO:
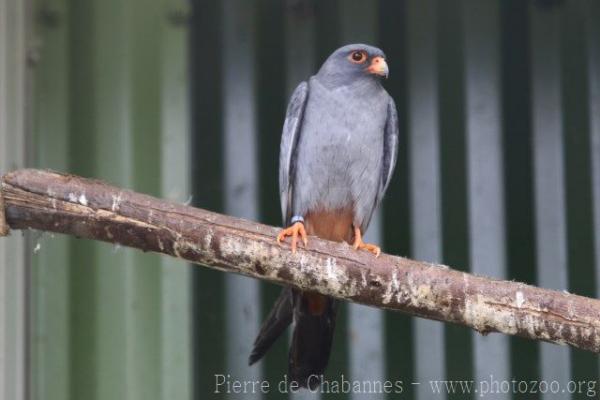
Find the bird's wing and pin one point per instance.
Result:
(390, 148)
(289, 142)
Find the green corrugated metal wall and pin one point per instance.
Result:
(14, 253)
(111, 101)
(112, 98)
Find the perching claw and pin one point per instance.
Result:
(360, 245)
(293, 231)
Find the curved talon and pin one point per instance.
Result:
(360, 245)
(293, 231)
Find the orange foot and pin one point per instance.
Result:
(293, 231)
(359, 244)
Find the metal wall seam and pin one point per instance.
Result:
(398, 328)
(424, 155)
(593, 48)
(241, 177)
(143, 288)
(175, 283)
(83, 261)
(485, 169)
(578, 175)
(50, 299)
(13, 262)
(208, 294)
(112, 362)
(549, 174)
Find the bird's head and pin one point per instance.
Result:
(352, 63)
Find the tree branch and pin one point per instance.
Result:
(3, 224)
(92, 209)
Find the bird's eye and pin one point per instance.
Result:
(358, 57)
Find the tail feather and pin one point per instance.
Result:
(314, 323)
(312, 338)
(276, 322)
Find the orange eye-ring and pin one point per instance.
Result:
(358, 57)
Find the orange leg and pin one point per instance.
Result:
(293, 231)
(360, 245)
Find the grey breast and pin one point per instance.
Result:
(340, 149)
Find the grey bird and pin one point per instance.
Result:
(338, 152)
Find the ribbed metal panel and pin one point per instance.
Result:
(485, 190)
(14, 252)
(241, 178)
(548, 161)
(111, 100)
(51, 349)
(424, 153)
(593, 47)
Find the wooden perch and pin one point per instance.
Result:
(92, 209)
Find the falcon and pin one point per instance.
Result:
(338, 151)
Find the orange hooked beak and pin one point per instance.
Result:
(378, 67)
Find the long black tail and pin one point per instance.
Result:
(314, 317)
(273, 326)
(313, 334)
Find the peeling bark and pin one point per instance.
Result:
(92, 209)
